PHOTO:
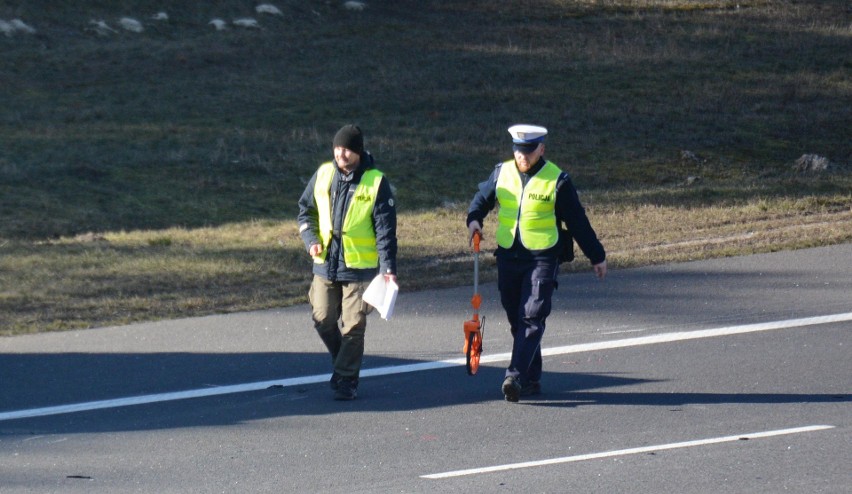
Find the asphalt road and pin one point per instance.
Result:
(729, 375)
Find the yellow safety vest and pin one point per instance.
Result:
(530, 209)
(358, 235)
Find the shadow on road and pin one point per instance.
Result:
(76, 378)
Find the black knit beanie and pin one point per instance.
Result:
(349, 137)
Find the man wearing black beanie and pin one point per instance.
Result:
(349, 137)
(347, 219)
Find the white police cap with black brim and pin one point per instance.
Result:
(526, 136)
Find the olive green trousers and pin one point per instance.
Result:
(340, 317)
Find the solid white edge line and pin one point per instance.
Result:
(624, 452)
(423, 366)
(692, 335)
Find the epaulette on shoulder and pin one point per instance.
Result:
(563, 177)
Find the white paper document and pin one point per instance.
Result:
(381, 294)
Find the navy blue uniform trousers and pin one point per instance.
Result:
(526, 287)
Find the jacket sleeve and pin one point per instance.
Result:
(384, 222)
(571, 211)
(308, 216)
(484, 200)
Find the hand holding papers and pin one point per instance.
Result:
(381, 294)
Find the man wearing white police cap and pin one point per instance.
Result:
(527, 136)
(539, 218)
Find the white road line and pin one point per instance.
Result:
(423, 366)
(624, 331)
(693, 335)
(624, 452)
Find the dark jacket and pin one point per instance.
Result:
(341, 192)
(568, 211)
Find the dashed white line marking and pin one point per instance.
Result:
(624, 331)
(624, 452)
(423, 366)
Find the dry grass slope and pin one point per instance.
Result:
(154, 174)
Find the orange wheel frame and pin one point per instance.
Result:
(473, 349)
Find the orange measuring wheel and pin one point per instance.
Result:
(473, 329)
(472, 345)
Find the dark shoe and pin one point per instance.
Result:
(347, 389)
(511, 389)
(531, 388)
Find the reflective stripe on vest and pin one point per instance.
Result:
(358, 236)
(530, 209)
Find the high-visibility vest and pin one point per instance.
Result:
(358, 236)
(529, 210)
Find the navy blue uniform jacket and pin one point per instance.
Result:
(384, 222)
(568, 210)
